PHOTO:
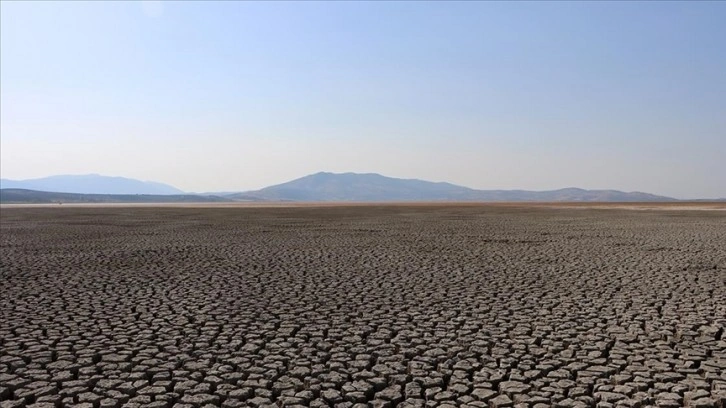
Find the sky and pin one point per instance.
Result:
(231, 96)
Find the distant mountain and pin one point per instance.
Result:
(375, 187)
(368, 187)
(358, 187)
(575, 194)
(91, 184)
(21, 196)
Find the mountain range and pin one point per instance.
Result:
(91, 184)
(323, 186)
(375, 187)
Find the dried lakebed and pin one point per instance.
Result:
(354, 306)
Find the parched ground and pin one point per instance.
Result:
(409, 306)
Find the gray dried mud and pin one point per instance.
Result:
(381, 306)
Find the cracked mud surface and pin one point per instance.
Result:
(382, 306)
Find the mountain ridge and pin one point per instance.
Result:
(326, 186)
(320, 187)
(91, 184)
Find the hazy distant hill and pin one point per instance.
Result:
(315, 187)
(375, 187)
(358, 187)
(572, 194)
(21, 196)
(91, 184)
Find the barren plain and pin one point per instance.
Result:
(363, 305)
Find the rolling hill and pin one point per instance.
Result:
(325, 186)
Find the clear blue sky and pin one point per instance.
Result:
(213, 96)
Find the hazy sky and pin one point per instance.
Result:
(238, 95)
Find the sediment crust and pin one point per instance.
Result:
(426, 305)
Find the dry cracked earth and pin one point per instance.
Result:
(362, 306)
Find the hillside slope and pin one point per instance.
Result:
(375, 187)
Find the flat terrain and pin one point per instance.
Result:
(401, 305)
